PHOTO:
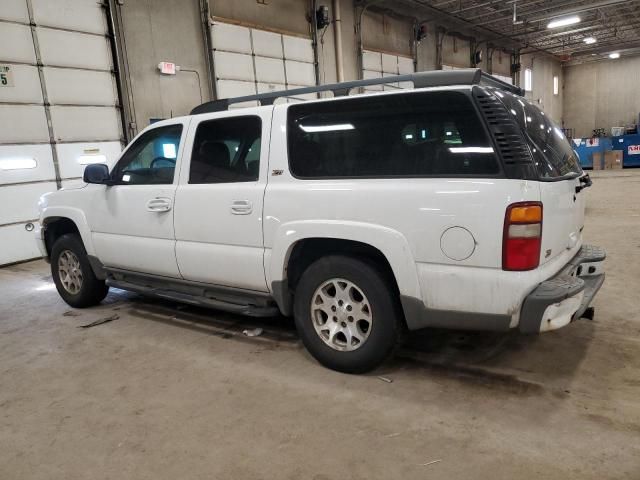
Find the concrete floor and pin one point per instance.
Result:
(172, 392)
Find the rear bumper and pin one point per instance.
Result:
(564, 297)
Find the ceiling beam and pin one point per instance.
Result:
(541, 32)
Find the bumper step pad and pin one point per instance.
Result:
(547, 293)
(568, 282)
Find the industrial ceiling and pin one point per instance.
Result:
(594, 28)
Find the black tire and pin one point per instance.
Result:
(92, 290)
(386, 319)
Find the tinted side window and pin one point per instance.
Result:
(151, 160)
(403, 135)
(226, 150)
(553, 154)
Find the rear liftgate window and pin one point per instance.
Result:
(552, 153)
(402, 135)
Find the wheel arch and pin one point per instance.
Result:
(57, 222)
(301, 244)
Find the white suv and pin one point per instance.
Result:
(457, 204)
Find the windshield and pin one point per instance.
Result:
(552, 153)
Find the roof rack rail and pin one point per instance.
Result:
(434, 78)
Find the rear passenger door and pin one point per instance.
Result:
(218, 206)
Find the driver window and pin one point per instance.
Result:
(151, 160)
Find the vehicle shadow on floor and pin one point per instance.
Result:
(507, 361)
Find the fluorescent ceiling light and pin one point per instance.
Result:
(89, 159)
(614, 55)
(471, 149)
(17, 163)
(563, 22)
(589, 40)
(327, 128)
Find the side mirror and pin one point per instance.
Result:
(96, 173)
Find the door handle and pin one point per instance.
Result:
(241, 207)
(159, 204)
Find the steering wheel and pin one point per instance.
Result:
(156, 161)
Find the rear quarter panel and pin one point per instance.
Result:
(418, 211)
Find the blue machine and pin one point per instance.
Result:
(630, 146)
(586, 147)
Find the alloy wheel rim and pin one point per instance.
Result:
(70, 272)
(341, 314)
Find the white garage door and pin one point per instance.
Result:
(380, 64)
(58, 107)
(248, 60)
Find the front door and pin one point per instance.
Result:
(132, 221)
(218, 208)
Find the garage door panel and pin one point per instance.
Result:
(405, 65)
(80, 87)
(296, 48)
(85, 123)
(26, 87)
(389, 64)
(16, 43)
(232, 38)
(14, 10)
(233, 66)
(81, 102)
(301, 97)
(267, 44)
(23, 200)
(23, 124)
(17, 155)
(269, 70)
(72, 49)
(369, 74)
(270, 87)
(71, 14)
(371, 61)
(274, 62)
(300, 73)
(17, 244)
(235, 88)
(73, 157)
(390, 87)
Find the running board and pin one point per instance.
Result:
(252, 305)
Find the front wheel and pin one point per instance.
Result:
(346, 314)
(72, 273)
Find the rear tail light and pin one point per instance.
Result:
(522, 237)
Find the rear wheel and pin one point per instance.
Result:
(73, 275)
(346, 314)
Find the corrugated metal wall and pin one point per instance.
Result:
(602, 95)
(59, 107)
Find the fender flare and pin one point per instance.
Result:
(77, 216)
(391, 243)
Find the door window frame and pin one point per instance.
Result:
(176, 174)
(265, 114)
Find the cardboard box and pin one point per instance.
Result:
(597, 160)
(613, 159)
